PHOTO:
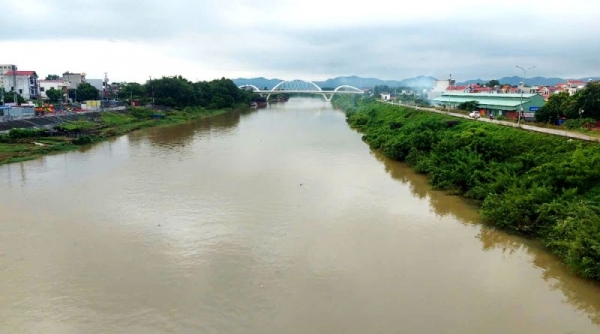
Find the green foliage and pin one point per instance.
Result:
(54, 95)
(141, 113)
(132, 90)
(527, 183)
(9, 97)
(84, 140)
(52, 77)
(178, 92)
(585, 102)
(76, 126)
(492, 83)
(558, 105)
(579, 123)
(26, 133)
(588, 100)
(85, 91)
(469, 105)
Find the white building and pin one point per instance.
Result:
(46, 85)
(23, 82)
(386, 96)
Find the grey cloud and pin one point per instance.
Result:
(250, 37)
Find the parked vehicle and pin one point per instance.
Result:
(474, 114)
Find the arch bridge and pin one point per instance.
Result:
(303, 87)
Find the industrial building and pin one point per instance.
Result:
(506, 105)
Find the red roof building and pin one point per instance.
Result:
(25, 83)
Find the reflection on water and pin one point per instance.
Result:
(279, 220)
(581, 293)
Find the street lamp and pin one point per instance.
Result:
(524, 75)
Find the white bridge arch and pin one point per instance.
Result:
(303, 87)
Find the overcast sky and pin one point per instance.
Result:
(302, 39)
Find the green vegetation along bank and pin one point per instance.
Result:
(540, 186)
(180, 99)
(27, 144)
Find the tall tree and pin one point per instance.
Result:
(588, 100)
(558, 105)
(468, 105)
(52, 77)
(132, 90)
(86, 91)
(492, 83)
(172, 92)
(54, 95)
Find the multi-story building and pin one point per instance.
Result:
(46, 85)
(23, 82)
(74, 79)
(3, 69)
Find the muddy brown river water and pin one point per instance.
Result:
(279, 220)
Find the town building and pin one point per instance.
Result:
(46, 85)
(3, 69)
(386, 96)
(507, 105)
(23, 82)
(74, 79)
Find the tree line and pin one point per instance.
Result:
(174, 92)
(178, 92)
(583, 104)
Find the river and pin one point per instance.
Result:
(279, 220)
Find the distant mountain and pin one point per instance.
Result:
(421, 82)
(535, 81)
(358, 82)
(258, 82)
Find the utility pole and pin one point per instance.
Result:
(522, 88)
(14, 73)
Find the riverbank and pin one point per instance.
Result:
(27, 144)
(580, 134)
(533, 184)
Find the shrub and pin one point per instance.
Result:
(27, 133)
(579, 123)
(527, 183)
(84, 140)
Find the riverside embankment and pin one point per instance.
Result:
(63, 133)
(533, 184)
(528, 127)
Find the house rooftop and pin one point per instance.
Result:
(9, 73)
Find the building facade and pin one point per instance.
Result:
(3, 69)
(23, 82)
(507, 105)
(74, 79)
(46, 85)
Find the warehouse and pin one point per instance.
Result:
(506, 105)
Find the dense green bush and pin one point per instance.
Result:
(579, 123)
(141, 113)
(528, 183)
(84, 140)
(27, 133)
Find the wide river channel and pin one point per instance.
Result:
(279, 220)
